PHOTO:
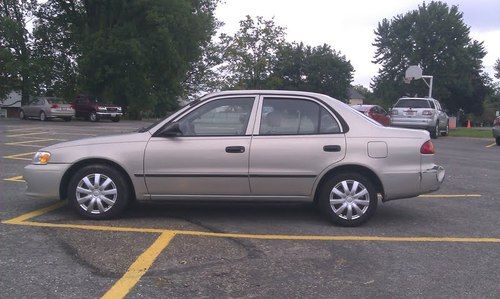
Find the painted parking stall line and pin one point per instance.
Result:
(22, 156)
(17, 179)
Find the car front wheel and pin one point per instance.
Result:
(348, 199)
(98, 192)
(93, 116)
(22, 115)
(43, 117)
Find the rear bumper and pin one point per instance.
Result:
(413, 123)
(69, 113)
(43, 181)
(405, 184)
(431, 179)
(496, 131)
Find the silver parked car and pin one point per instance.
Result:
(496, 130)
(47, 107)
(420, 113)
(244, 145)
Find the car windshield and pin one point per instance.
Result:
(412, 103)
(144, 129)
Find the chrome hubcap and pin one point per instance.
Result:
(92, 117)
(349, 199)
(96, 193)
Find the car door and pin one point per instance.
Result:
(294, 140)
(443, 118)
(211, 155)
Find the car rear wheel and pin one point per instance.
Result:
(43, 117)
(447, 130)
(98, 192)
(348, 199)
(22, 115)
(435, 131)
(93, 116)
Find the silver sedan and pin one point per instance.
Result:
(45, 108)
(244, 145)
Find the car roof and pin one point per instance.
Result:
(267, 92)
(408, 98)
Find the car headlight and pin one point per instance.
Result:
(41, 158)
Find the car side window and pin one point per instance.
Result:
(382, 110)
(295, 117)
(224, 117)
(432, 104)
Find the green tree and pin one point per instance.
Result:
(496, 68)
(435, 37)
(250, 54)
(134, 53)
(317, 69)
(16, 47)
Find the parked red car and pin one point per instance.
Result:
(374, 112)
(94, 109)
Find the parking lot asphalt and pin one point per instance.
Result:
(443, 245)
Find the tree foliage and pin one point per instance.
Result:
(435, 37)
(258, 57)
(318, 69)
(496, 68)
(16, 61)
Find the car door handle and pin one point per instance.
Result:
(331, 148)
(235, 149)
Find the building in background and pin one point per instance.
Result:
(11, 104)
(354, 97)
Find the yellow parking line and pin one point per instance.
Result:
(18, 156)
(134, 273)
(448, 195)
(18, 178)
(29, 141)
(490, 145)
(36, 213)
(27, 134)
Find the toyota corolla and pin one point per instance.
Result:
(244, 145)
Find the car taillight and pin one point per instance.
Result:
(54, 106)
(427, 148)
(427, 112)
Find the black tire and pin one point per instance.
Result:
(498, 141)
(122, 191)
(22, 115)
(434, 131)
(445, 133)
(43, 116)
(67, 119)
(93, 116)
(115, 119)
(327, 208)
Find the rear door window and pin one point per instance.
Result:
(295, 117)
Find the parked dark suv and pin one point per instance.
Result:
(93, 109)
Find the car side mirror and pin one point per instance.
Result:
(172, 130)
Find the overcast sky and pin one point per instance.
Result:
(348, 25)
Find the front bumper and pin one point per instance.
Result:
(431, 179)
(109, 114)
(43, 181)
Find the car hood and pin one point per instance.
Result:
(109, 139)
